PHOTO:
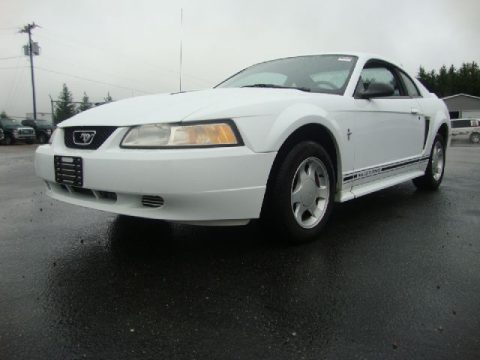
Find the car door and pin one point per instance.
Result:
(387, 129)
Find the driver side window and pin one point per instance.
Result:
(380, 74)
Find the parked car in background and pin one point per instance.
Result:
(281, 140)
(14, 131)
(43, 129)
(466, 129)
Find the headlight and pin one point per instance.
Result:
(205, 134)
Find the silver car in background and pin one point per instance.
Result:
(466, 130)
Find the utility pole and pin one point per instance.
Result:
(27, 29)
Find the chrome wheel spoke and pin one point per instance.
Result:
(310, 192)
(297, 195)
(322, 192)
(299, 211)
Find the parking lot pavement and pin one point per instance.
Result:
(396, 274)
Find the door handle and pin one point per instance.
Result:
(414, 111)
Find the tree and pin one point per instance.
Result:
(85, 104)
(108, 98)
(451, 81)
(64, 106)
(3, 115)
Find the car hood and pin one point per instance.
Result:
(189, 106)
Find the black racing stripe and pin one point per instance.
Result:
(354, 175)
(400, 164)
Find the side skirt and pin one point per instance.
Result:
(373, 179)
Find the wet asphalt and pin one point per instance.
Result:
(396, 275)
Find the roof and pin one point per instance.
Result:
(461, 94)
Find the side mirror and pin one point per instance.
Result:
(377, 89)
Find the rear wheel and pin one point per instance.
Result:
(475, 138)
(436, 166)
(301, 193)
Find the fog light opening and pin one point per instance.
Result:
(152, 201)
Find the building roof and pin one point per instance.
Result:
(461, 94)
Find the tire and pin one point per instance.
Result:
(475, 138)
(8, 140)
(42, 138)
(436, 167)
(300, 193)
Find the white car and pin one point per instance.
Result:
(281, 140)
(466, 129)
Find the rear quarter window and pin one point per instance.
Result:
(410, 86)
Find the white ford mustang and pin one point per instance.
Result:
(281, 140)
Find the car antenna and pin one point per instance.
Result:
(181, 48)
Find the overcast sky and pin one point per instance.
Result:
(130, 48)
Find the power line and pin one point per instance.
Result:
(12, 67)
(91, 80)
(90, 69)
(10, 57)
(15, 80)
(115, 52)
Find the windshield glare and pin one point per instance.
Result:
(318, 73)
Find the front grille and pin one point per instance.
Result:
(74, 139)
(26, 131)
(68, 170)
(152, 201)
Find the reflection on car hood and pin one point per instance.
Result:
(189, 106)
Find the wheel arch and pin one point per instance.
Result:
(443, 130)
(314, 132)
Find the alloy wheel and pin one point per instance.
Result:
(310, 192)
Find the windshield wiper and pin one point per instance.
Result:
(278, 87)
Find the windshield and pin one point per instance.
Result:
(9, 122)
(44, 122)
(317, 73)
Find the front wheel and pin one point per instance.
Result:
(301, 193)
(475, 138)
(8, 140)
(436, 166)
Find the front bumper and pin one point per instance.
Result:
(216, 186)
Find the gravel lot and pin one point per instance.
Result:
(395, 275)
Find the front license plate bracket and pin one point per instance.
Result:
(69, 170)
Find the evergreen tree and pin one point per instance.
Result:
(108, 98)
(85, 104)
(3, 115)
(465, 79)
(64, 106)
